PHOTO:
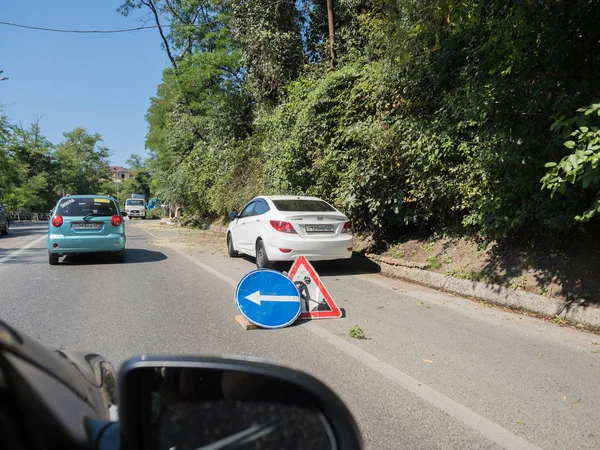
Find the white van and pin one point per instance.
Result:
(135, 207)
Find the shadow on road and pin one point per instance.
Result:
(357, 265)
(132, 256)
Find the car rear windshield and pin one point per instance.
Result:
(134, 202)
(302, 206)
(85, 206)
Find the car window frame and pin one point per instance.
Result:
(333, 209)
(249, 205)
(112, 202)
(134, 204)
(261, 201)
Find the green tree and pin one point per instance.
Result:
(135, 162)
(270, 35)
(140, 181)
(6, 170)
(82, 163)
(33, 154)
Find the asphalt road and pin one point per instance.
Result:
(436, 371)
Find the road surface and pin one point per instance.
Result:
(436, 371)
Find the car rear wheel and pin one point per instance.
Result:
(230, 249)
(53, 259)
(262, 260)
(6, 228)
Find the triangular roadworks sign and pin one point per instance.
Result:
(315, 300)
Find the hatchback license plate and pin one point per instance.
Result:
(87, 226)
(319, 228)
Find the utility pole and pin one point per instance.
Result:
(331, 34)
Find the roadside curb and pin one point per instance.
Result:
(576, 311)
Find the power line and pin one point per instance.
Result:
(57, 30)
(124, 30)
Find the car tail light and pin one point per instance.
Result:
(57, 221)
(285, 250)
(347, 228)
(284, 227)
(116, 221)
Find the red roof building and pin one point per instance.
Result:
(119, 173)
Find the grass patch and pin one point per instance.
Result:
(357, 332)
(465, 274)
(434, 262)
(557, 320)
(396, 251)
(520, 283)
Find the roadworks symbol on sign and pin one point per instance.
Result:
(316, 302)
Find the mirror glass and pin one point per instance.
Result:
(233, 215)
(209, 409)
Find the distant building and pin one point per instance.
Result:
(119, 173)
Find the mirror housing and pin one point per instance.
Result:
(123, 213)
(202, 402)
(233, 215)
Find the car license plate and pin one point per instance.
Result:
(87, 226)
(319, 228)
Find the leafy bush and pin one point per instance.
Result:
(437, 116)
(156, 213)
(580, 168)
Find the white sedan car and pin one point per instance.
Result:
(280, 228)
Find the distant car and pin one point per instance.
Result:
(4, 225)
(135, 207)
(86, 224)
(280, 228)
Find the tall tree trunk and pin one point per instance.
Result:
(331, 34)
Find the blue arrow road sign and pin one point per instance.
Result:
(268, 299)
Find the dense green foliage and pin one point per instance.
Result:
(438, 115)
(34, 173)
(582, 166)
(140, 181)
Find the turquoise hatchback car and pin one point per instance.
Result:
(86, 224)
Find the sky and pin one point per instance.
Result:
(102, 82)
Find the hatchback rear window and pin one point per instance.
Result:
(84, 206)
(302, 205)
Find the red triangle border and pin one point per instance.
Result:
(335, 311)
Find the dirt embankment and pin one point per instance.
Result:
(570, 273)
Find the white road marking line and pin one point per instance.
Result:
(487, 428)
(472, 419)
(209, 269)
(21, 250)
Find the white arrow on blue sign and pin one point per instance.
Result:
(268, 298)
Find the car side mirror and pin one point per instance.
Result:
(123, 213)
(197, 402)
(233, 215)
